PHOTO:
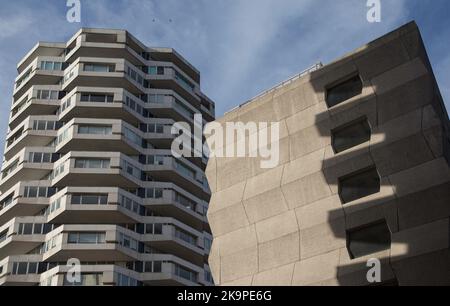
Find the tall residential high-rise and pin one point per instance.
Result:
(363, 175)
(88, 174)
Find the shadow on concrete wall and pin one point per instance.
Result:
(401, 210)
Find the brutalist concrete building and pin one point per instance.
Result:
(88, 171)
(363, 173)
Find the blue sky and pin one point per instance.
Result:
(241, 47)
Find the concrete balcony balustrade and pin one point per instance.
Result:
(35, 74)
(37, 101)
(25, 168)
(27, 134)
(113, 169)
(82, 175)
(20, 270)
(20, 201)
(16, 242)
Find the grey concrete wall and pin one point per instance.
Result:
(287, 225)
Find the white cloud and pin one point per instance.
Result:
(14, 24)
(240, 46)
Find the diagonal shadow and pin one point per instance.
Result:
(409, 144)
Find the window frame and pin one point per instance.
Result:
(341, 82)
(353, 174)
(340, 128)
(351, 231)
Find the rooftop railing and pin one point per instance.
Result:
(315, 67)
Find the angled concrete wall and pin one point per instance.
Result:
(288, 226)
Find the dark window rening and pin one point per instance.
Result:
(359, 185)
(344, 90)
(350, 135)
(368, 240)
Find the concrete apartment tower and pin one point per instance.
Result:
(363, 173)
(88, 171)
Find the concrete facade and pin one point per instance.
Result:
(88, 171)
(290, 226)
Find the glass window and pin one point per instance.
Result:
(47, 228)
(37, 229)
(96, 67)
(22, 268)
(94, 279)
(90, 199)
(103, 199)
(368, 240)
(32, 192)
(157, 266)
(207, 243)
(98, 98)
(76, 199)
(51, 191)
(73, 238)
(54, 95)
(350, 135)
(148, 267)
(46, 158)
(3, 235)
(185, 236)
(32, 268)
(92, 163)
(37, 157)
(80, 163)
(185, 273)
(184, 81)
(158, 229)
(95, 130)
(42, 125)
(45, 95)
(42, 192)
(84, 98)
(208, 276)
(57, 66)
(359, 185)
(344, 91)
(88, 238)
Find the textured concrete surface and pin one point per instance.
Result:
(287, 225)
